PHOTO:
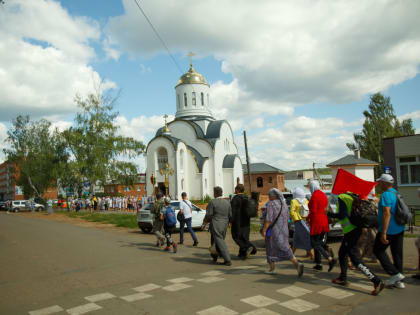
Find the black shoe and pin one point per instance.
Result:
(317, 267)
(214, 257)
(227, 263)
(331, 264)
(254, 251)
(195, 244)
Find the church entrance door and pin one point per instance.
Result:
(162, 188)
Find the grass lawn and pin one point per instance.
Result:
(118, 219)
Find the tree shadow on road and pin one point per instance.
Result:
(202, 259)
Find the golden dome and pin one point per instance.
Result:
(192, 77)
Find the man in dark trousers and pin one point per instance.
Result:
(241, 223)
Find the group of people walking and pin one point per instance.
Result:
(310, 219)
(106, 203)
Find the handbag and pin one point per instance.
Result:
(268, 232)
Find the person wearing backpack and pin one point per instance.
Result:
(169, 222)
(390, 233)
(158, 205)
(299, 210)
(241, 223)
(349, 245)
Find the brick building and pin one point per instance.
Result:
(8, 188)
(138, 189)
(263, 178)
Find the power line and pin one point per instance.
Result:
(158, 36)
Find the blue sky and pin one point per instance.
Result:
(296, 75)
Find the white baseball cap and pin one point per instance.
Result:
(386, 178)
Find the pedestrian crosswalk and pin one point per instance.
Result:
(298, 297)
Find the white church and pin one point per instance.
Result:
(194, 152)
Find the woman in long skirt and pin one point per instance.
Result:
(298, 212)
(276, 232)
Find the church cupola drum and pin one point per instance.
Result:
(198, 148)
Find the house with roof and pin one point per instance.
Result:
(263, 178)
(195, 152)
(355, 164)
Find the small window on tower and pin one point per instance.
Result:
(185, 100)
(194, 102)
(178, 101)
(202, 99)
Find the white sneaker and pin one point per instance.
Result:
(395, 278)
(399, 285)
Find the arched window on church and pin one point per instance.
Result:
(162, 157)
(181, 160)
(194, 99)
(178, 101)
(185, 100)
(260, 182)
(202, 99)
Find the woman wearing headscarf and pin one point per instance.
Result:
(298, 213)
(318, 223)
(276, 232)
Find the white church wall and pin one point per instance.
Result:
(190, 109)
(193, 178)
(228, 183)
(182, 166)
(205, 183)
(238, 171)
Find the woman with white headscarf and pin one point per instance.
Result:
(276, 232)
(298, 212)
(318, 223)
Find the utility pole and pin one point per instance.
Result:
(316, 175)
(247, 163)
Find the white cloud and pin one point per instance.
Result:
(413, 115)
(283, 53)
(45, 55)
(301, 141)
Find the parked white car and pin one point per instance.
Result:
(25, 205)
(145, 216)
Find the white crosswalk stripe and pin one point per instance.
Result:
(261, 311)
(147, 287)
(47, 310)
(217, 310)
(176, 287)
(336, 293)
(83, 309)
(294, 291)
(136, 297)
(299, 305)
(100, 297)
(259, 301)
(210, 279)
(180, 280)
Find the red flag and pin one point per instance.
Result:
(347, 182)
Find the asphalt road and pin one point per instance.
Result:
(50, 267)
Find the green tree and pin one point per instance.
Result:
(380, 122)
(97, 151)
(37, 154)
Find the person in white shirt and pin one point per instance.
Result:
(185, 209)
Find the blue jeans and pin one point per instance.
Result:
(189, 228)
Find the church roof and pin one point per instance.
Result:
(192, 77)
(198, 158)
(352, 160)
(229, 160)
(213, 129)
(262, 168)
